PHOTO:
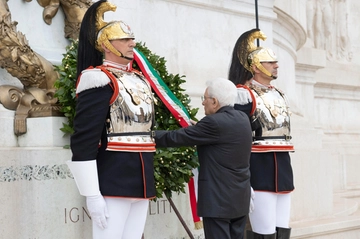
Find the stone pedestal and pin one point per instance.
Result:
(39, 195)
(8, 138)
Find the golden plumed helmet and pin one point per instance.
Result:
(107, 31)
(249, 54)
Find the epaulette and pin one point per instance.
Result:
(112, 82)
(91, 78)
(245, 96)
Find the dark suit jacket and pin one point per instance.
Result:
(223, 142)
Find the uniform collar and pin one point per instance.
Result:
(116, 65)
(256, 83)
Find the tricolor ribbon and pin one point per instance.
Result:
(176, 108)
(174, 105)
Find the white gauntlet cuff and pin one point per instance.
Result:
(86, 176)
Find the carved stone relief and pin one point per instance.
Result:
(343, 40)
(327, 27)
(34, 172)
(74, 12)
(35, 73)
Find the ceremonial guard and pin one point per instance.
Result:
(252, 69)
(112, 146)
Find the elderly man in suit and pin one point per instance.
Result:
(223, 139)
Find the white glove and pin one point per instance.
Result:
(252, 197)
(98, 210)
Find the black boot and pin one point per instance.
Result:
(283, 233)
(254, 235)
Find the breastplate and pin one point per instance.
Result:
(131, 113)
(271, 111)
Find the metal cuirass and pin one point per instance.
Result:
(272, 120)
(131, 114)
(271, 111)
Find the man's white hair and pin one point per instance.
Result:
(223, 90)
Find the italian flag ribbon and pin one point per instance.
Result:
(176, 108)
(162, 90)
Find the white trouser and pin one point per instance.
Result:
(126, 221)
(271, 210)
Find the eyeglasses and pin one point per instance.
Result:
(206, 97)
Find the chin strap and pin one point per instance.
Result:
(127, 58)
(257, 63)
(111, 48)
(86, 176)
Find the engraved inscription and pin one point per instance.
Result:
(75, 214)
(161, 206)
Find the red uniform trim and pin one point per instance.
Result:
(114, 84)
(253, 107)
(128, 197)
(143, 173)
(272, 148)
(276, 173)
(282, 192)
(131, 149)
